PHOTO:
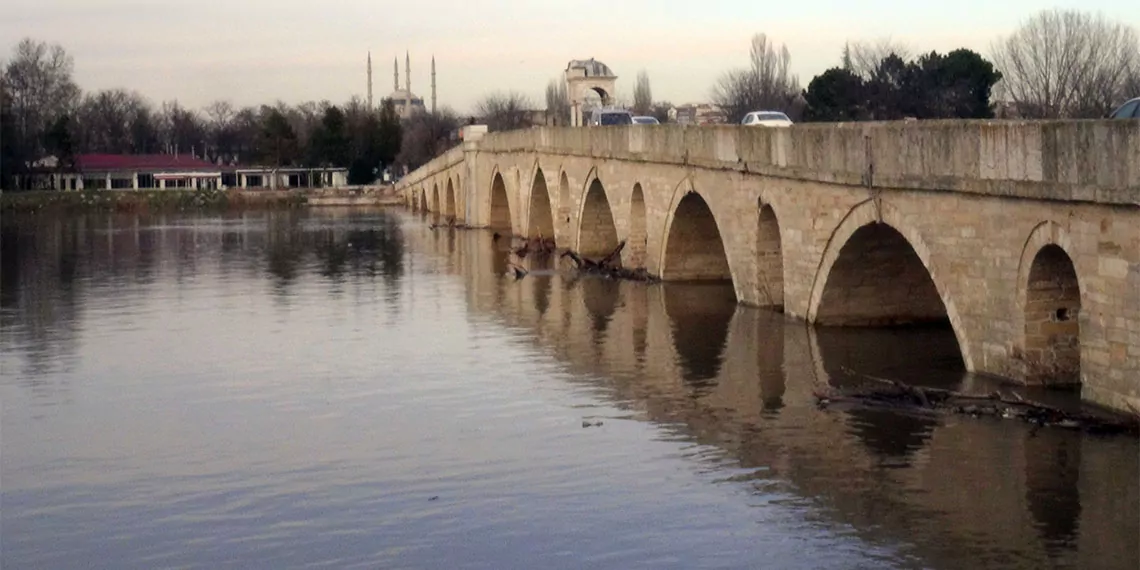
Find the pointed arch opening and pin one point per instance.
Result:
(769, 259)
(878, 280)
(694, 250)
(435, 203)
(449, 200)
(1052, 329)
(540, 218)
(423, 201)
(500, 206)
(597, 234)
(638, 243)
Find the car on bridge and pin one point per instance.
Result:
(766, 119)
(605, 117)
(645, 120)
(1129, 110)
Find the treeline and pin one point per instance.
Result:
(1057, 64)
(44, 113)
(933, 86)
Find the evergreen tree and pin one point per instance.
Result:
(278, 141)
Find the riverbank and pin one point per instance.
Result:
(183, 200)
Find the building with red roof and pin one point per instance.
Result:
(162, 171)
(140, 162)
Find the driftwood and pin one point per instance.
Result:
(904, 397)
(450, 224)
(605, 266)
(517, 271)
(540, 246)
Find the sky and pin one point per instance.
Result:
(259, 51)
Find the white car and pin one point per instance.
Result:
(766, 119)
(646, 120)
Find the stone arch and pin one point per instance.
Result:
(769, 258)
(501, 219)
(540, 219)
(435, 198)
(597, 233)
(449, 199)
(1049, 298)
(872, 238)
(423, 200)
(638, 241)
(694, 250)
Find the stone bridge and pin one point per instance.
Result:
(1023, 236)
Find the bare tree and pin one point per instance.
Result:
(1067, 63)
(863, 58)
(220, 113)
(181, 130)
(505, 111)
(109, 121)
(426, 136)
(1131, 87)
(642, 95)
(40, 89)
(222, 137)
(558, 102)
(766, 84)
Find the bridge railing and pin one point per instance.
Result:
(450, 158)
(1095, 160)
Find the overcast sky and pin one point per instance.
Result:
(254, 51)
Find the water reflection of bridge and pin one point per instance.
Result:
(740, 380)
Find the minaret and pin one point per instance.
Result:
(407, 84)
(395, 74)
(370, 107)
(433, 84)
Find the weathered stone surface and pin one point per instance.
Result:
(853, 224)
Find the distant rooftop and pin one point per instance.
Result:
(101, 162)
(593, 67)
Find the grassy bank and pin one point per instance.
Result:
(147, 200)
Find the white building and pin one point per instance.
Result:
(163, 171)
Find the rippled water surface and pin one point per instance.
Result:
(349, 389)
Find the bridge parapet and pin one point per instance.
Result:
(1085, 161)
(449, 159)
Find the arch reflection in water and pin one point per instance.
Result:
(920, 355)
(699, 316)
(601, 300)
(1052, 492)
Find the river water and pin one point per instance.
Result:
(350, 389)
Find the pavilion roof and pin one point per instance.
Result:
(101, 162)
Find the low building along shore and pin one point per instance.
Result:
(163, 171)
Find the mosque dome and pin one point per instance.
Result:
(400, 95)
